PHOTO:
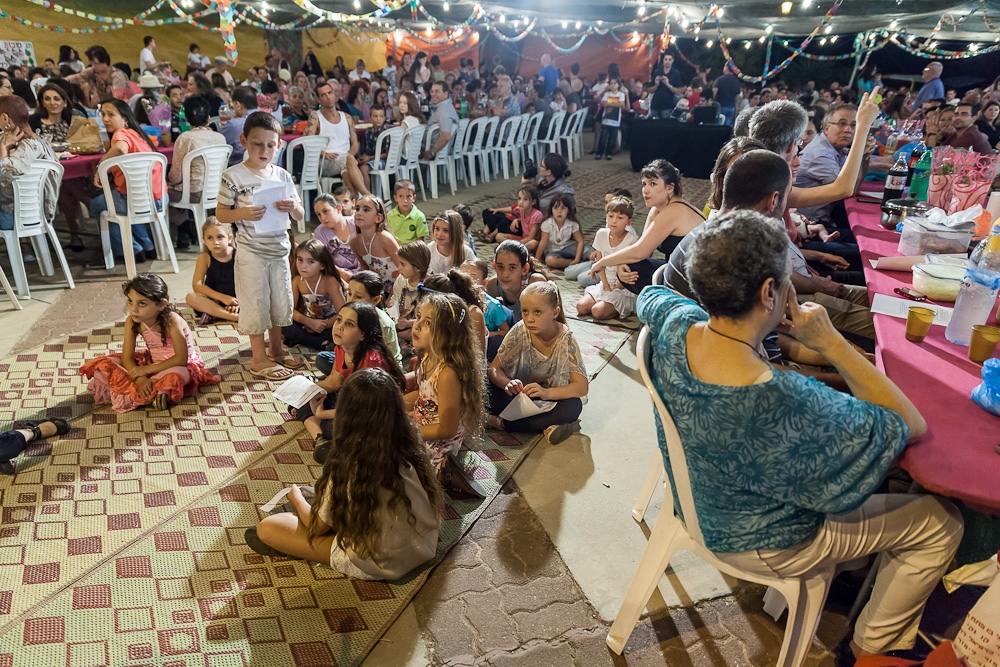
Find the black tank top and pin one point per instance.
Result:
(668, 244)
(219, 275)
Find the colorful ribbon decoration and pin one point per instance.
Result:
(227, 27)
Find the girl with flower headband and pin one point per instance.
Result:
(448, 403)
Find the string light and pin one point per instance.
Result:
(786, 7)
(503, 19)
(833, 39)
(746, 45)
(894, 24)
(719, 12)
(806, 4)
(446, 7)
(642, 9)
(762, 38)
(822, 42)
(709, 44)
(357, 4)
(577, 25)
(828, 29)
(973, 47)
(564, 24)
(769, 29)
(729, 40)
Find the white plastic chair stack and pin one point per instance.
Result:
(138, 171)
(473, 136)
(550, 143)
(520, 140)
(572, 135)
(30, 223)
(380, 177)
(457, 169)
(507, 147)
(409, 166)
(530, 145)
(442, 162)
(805, 595)
(312, 169)
(484, 150)
(215, 159)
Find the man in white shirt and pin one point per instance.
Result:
(146, 58)
(339, 158)
(359, 72)
(221, 64)
(389, 71)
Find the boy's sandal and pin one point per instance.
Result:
(272, 373)
(62, 426)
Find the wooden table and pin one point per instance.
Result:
(958, 457)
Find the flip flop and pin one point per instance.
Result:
(272, 373)
(290, 362)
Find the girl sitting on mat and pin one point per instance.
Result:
(378, 502)
(168, 370)
(318, 293)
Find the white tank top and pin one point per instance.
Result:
(337, 134)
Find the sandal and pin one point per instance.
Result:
(272, 373)
(290, 362)
(455, 484)
(321, 449)
(160, 402)
(7, 468)
(62, 426)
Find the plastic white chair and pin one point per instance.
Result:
(550, 143)
(312, 168)
(215, 159)
(572, 135)
(442, 162)
(380, 177)
(473, 135)
(805, 595)
(484, 147)
(30, 223)
(409, 164)
(506, 146)
(530, 145)
(520, 140)
(138, 171)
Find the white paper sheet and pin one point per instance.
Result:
(890, 305)
(268, 194)
(275, 499)
(297, 391)
(522, 407)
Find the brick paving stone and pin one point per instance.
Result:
(447, 583)
(494, 628)
(539, 655)
(538, 593)
(450, 635)
(554, 620)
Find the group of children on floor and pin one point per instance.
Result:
(458, 347)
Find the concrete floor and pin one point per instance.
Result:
(540, 577)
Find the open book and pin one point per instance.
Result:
(298, 390)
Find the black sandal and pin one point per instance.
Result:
(7, 468)
(62, 426)
(455, 484)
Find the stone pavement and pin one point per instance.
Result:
(505, 595)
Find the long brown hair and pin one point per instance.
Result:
(453, 339)
(456, 232)
(375, 438)
(412, 108)
(318, 251)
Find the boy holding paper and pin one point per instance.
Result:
(258, 198)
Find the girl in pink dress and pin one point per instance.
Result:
(168, 370)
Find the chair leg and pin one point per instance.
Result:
(653, 473)
(803, 618)
(200, 215)
(17, 265)
(302, 222)
(41, 247)
(432, 176)
(127, 253)
(452, 177)
(420, 180)
(654, 561)
(60, 255)
(8, 290)
(774, 603)
(165, 232)
(471, 170)
(109, 256)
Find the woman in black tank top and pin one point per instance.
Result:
(670, 219)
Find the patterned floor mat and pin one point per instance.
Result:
(122, 542)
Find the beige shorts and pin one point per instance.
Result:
(264, 290)
(332, 167)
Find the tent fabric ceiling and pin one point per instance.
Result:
(741, 19)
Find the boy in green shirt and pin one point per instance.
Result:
(406, 221)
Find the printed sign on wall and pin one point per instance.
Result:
(17, 53)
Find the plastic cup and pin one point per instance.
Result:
(918, 323)
(983, 342)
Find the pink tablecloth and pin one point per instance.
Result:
(85, 166)
(958, 457)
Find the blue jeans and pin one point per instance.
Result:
(6, 221)
(140, 233)
(728, 112)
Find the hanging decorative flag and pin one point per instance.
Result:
(227, 27)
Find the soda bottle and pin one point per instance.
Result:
(921, 177)
(975, 300)
(185, 125)
(895, 182)
(463, 111)
(918, 152)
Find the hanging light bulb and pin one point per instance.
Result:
(446, 7)
(786, 7)
(459, 32)
(708, 44)
(894, 24)
(833, 40)
(642, 9)
(600, 23)
(806, 4)
(357, 4)
(729, 40)
(697, 30)
(503, 19)
(564, 24)
(746, 45)
(973, 47)
(719, 12)
(828, 29)
(762, 38)
(822, 42)
(428, 31)
(769, 29)
(577, 25)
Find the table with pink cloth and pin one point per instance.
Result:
(85, 166)
(958, 457)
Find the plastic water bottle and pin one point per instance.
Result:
(975, 300)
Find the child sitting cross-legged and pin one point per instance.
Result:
(214, 282)
(540, 358)
(168, 370)
(518, 222)
(610, 299)
(377, 510)
(561, 244)
(318, 293)
(357, 343)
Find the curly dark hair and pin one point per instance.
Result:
(153, 288)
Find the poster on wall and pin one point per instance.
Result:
(16, 53)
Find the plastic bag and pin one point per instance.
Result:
(987, 394)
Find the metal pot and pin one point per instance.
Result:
(895, 211)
